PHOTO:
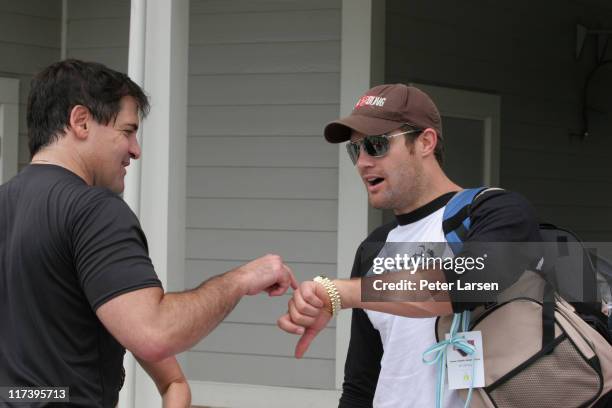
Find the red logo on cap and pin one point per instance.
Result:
(370, 100)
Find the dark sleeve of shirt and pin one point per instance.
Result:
(110, 251)
(497, 216)
(365, 352)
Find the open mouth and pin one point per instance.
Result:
(374, 181)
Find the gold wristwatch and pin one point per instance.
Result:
(332, 292)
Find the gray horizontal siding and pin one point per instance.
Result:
(258, 6)
(559, 165)
(22, 29)
(262, 182)
(237, 151)
(294, 246)
(115, 58)
(591, 216)
(260, 178)
(99, 31)
(25, 59)
(262, 214)
(264, 89)
(525, 52)
(257, 27)
(264, 340)
(91, 9)
(263, 370)
(29, 41)
(307, 56)
(96, 32)
(50, 9)
(260, 120)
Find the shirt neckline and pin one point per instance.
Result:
(425, 210)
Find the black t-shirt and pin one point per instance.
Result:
(496, 216)
(65, 249)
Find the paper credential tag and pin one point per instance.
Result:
(459, 363)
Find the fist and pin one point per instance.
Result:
(307, 314)
(268, 274)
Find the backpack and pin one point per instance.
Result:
(538, 352)
(588, 292)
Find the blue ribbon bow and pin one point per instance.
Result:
(436, 354)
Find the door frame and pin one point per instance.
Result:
(462, 104)
(9, 128)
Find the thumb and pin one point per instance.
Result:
(304, 341)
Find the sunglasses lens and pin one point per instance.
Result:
(353, 151)
(376, 146)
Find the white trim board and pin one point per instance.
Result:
(362, 62)
(214, 394)
(9, 128)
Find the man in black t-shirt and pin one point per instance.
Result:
(394, 137)
(77, 286)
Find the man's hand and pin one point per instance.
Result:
(267, 273)
(308, 314)
(154, 325)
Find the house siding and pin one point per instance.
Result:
(260, 178)
(525, 52)
(99, 31)
(29, 41)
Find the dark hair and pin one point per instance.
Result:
(65, 84)
(438, 151)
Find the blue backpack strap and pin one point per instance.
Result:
(456, 219)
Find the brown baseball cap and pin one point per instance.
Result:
(385, 108)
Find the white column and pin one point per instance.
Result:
(362, 66)
(164, 157)
(131, 195)
(136, 68)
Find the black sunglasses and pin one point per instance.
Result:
(375, 145)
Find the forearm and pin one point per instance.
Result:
(350, 294)
(170, 382)
(154, 325)
(177, 395)
(310, 308)
(186, 317)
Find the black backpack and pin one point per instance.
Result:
(574, 271)
(588, 292)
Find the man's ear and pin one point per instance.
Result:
(428, 141)
(79, 121)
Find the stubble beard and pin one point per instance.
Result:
(404, 196)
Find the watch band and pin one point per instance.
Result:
(332, 292)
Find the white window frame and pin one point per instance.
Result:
(462, 104)
(9, 128)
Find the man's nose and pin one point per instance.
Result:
(364, 160)
(135, 149)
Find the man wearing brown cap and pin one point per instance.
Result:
(394, 138)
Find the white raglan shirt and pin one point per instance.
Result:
(404, 380)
